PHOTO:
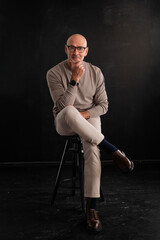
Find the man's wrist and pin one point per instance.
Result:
(74, 82)
(75, 78)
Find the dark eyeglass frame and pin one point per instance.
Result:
(84, 48)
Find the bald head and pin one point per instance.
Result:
(77, 39)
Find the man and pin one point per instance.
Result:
(78, 92)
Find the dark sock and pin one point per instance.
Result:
(107, 146)
(91, 203)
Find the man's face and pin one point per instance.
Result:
(76, 55)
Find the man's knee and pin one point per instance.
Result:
(70, 112)
(69, 109)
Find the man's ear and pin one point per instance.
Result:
(86, 51)
(65, 48)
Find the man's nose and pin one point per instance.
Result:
(76, 51)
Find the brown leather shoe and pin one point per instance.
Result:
(93, 222)
(122, 161)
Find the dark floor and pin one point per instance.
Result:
(131, 210)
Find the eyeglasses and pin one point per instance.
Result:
(73, 48)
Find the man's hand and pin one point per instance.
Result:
(77, 70)
(85, 114)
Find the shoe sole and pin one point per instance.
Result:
(92, 230)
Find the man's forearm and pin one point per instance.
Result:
(98, 110)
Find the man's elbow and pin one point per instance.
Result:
(105, 107)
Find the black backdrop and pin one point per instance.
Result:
(123, 38)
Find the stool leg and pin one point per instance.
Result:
(101, 194)
(74, 174)
(59, 173)
(81, 175)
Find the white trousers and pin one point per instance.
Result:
(69, 122)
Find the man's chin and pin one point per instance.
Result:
(75, 60)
